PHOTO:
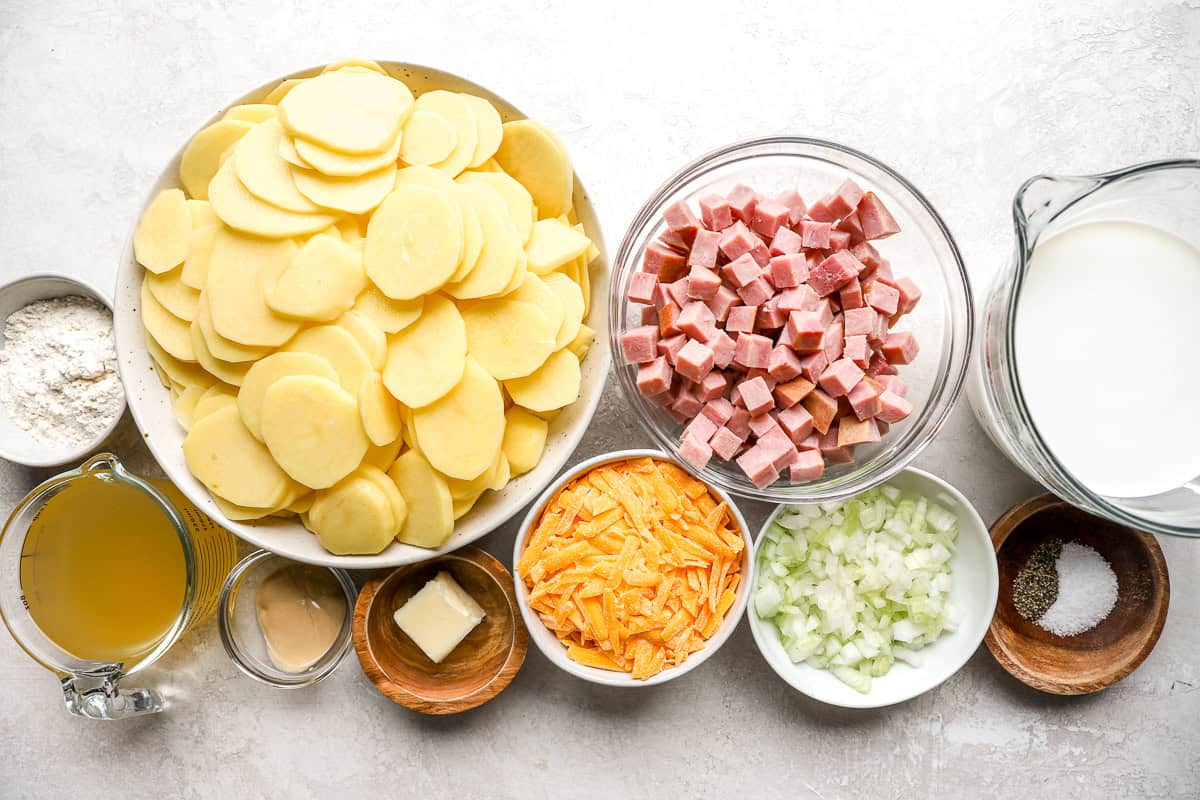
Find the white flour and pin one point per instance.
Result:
(58, 369)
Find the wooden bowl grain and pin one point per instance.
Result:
(1097, 658)
(477, 670)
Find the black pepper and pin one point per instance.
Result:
(1036, 586)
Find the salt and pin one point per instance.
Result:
(1087, 591)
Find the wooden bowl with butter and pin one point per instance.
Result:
(475, 669)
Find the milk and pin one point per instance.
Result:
(1108, 355)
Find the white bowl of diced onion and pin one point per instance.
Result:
(847, 624)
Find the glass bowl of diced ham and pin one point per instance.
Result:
(792, 318)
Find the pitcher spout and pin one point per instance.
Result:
(1042, 198)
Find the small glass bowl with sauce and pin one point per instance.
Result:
(283, 584)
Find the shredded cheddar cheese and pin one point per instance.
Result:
(633, 566)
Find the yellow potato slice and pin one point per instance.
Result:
(494, 477)
(572, 302)
(202, 156)
(253, 113)
(455, 110)
(553, 385)
(218, 345)
(532, 154)
(281, 91)
(427, 139)
(410, 433)
(341, 165)
(472, 236)
(516, 199)
(182, 372)
(353, 517)
(489, 129)
(264, 373)
(241, 210)
(427, 359)
(238, 513)
(234, 465)
(582, 342)
(289, 153)
(353, 228)
(420, 175)
(165, 328)
(382, 456)
(264, 173)
(356, 195)
(185, 404)
(414, 241)
(357, 112)
(240, 269)
(461, 432)
(343, 352)
(392, 316)
(313, 429)
(160, 242)
(214, 398)
(380, 412)
(500, 256)
(322, 281)
(524, 440)
(202, 214)
(175, 296)
(355, 63)
(390, 491)
(554, 244)
(583, 277)
(228, 371)
(370, 337)
(534, 290)
(195, 266)
(519, 274)
(430, 519)
(463, 507)
(509, 338)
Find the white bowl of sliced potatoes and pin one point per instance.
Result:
(354, 320)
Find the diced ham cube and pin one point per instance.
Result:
(755, 293)
(723, 348)
(808, 466)
(879, 332)
(834, 339)
(821, 212)
(879, 366)
(815, 235)
(822, 407)
(800, 298)
(722, 301)
(661, 296)
(671, 346)
(742, 270)
(641, 287)
(845, 199)
(796, 422)
(806, 329)
(677, 415)
(741, 319)
(704, 249)
(640, 345)
(792, 392)
(838, 378)
(654, 378)
(867, 254)
(810, 442)
(756, 396)
(788, 270)
(668, 315)
(738, 240)
(665, 262)
(715, 212)
(857, 350)
(719, 410)
(776, 443)
(768, 217)
(759, 466)
(677, 291)
(695, 452)
(852, 226)
(742, 200)
(834, 272)
(762, 423)
(839, 240)
(900, 348)
(674, 240)
(786, 241)
(694, 361)
(832, 453)
(883, 298)
(760, 252)
(859, 321)
(850, 295)
(702, 284)
(725, 443)
(864, 399)
(686, 402)
(852, 431)
(875, 219)
(813, 364)
(771, 316)
(697, 321)
(681, 220)
(795, 204)
(753, 351)
(784, 365)
(893, 407)
(824, 312)
(910, 295)
(739, 423)
(663, 400)
(893, 384)
(701, 428)
(713, 386)
(650, 316)
(759, 372)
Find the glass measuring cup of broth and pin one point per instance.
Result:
(100, 573)
(1087, 372)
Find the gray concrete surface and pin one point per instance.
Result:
(966, 102)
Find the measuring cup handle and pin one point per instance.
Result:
(102, 699)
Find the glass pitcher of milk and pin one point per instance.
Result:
(1087, 372)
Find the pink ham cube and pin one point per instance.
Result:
(821, 212)
(742, 270)
(851, 295)
(883, 298)
(756, 396)
(807, 466)
(859, 321)
(834, 339)
(876, 221)
(832, 453)
(792, 392)
(784, 364)
(737, 240)
(640, 345)
(715, 212)
(800, 298)
(665, 262)
(839, 240)
(788, 270)
(677, 291)
(663, 400)
(879, 366)
(771, 316)
(834, 272)
(900, 348)
(776, 444)
(810, 442)
(864, 399)
(806, 330)
(852, 431)
(739, 423)
(768, 217)
(815, 235)
(702, 284)
(857, 350)
(813, 364)
(742, 200)
(722, 301)
(673, 239)
(753, 351)
(879, 333)
(719, 410)
(681, 220)
(867, 254)
(686, 403)
(697, 321)
(701, 428)
(641, 287)
(654, 378)
(695, 452)
(893, 407)
(786, 241)
(845, 199)
(704, 249)
(694, 361)
(852, 226)
(910, 295)
(893, 384)
(755, 293)
(762, 424)
(671, 346)
(759, 466)
(713, 386)
(838, 378)
(725, 443)
(796, 422)
(650, 316)
(741, 319)
(795, 204)
(723, 348)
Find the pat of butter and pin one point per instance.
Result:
(439, 616)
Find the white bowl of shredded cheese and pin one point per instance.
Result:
(60, 394)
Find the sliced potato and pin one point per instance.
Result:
(241, 210)
(427, 359)
(524, 439)
(370, 337)
(264, 373)
(253, 113)
(472, 237)
(516, 199)
(392, 316)
(182, 372)
(263, 172)
(353, 228)
(463, 506)
(509, 338)
(555, 384)
(532, 154)
(342, 165)
(500, 255)
(281, 91)
(382, 456)
(185, 404)
(202, 156)
(494, 477)
(380, 412)
(414, 241)
(554, 244)
(195, 266)
(353, 517)
(461, 432)
(357, 112)
(453, 108)
(234, 465)
(218, 345)
(214, 398)
(582, 342)
(390, 490)
(572, 302)
(356, 195)
(343, 352)
(165, 328)
(313, 429)
(430, 518)
(175, 296)
(420, 175)
(289, 153)
(534, 290)
(321, 282)
(427, 139)
(160, 242)
(489, 129)
(202, 214)
(230, 372)
(240, 269)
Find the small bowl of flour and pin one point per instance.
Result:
(60, 393)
